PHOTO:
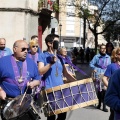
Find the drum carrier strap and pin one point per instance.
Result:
(70, 63)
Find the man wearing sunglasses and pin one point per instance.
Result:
(17, 72)
(4, 51)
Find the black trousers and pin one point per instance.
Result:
(101, 95)
(61, 116)
(111, 117)
(2, 118)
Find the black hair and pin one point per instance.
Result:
(109, 43)
(107, 46)
(50, 38)
(34, 36)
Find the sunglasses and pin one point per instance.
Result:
(24, 49)
(34, 46)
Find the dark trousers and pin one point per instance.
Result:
(2, 118)
(61, 116)
(101, 95)
(111, 117)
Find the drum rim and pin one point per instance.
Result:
(10, 102)
(64, 86)
(7, 105)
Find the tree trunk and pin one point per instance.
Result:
(84, 33)
(96, 42)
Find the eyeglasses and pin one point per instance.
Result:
(24, 49)
(34, 46)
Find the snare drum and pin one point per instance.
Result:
(70, 96)
(26, 111)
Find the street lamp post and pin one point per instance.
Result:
(60, 26)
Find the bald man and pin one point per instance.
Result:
(4, 51)
(17, 70)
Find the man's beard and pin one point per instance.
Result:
(102, 54)
(2, 48)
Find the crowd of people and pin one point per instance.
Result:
(84, 55)
(24, 69)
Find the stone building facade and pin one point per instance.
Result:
(18, 20)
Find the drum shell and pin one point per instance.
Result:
(70, 96)
(26, 111)
(28, 115)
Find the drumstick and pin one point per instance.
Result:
(23, 96)
(55, 52)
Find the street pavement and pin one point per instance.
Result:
(89, 112)
(84, 69)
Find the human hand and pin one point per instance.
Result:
(2, 94)
(53, 59)
(31, 84)
(94, 71)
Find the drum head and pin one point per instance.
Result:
(14, 109)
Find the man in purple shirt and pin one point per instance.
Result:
(99, 65)
(18, 73)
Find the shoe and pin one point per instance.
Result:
(98, 107)
(105, 109)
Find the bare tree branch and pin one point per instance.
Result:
(111, 23)
(101, 11)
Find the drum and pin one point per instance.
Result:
(70, 96)
(70, 70)
(26, 111)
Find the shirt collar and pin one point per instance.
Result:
(103, 56)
